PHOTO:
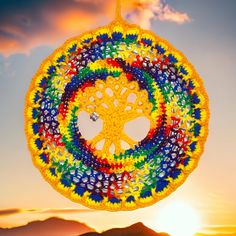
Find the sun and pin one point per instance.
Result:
(179, 219)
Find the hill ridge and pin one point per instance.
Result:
(53, 226)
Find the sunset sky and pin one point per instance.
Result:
(204, 30)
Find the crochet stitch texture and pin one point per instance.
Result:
(123, 59)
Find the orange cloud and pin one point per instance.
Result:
(71, 22)
(8, 212)
(65, 211)
(8, 46)
(52, 22)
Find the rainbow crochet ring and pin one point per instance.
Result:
(96, 72)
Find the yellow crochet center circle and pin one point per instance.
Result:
(109, 100)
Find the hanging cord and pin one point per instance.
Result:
(118, 10)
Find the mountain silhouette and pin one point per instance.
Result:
(137, 229)
(50, 227)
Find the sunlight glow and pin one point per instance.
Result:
(179, 219)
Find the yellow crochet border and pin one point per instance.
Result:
(141, 202)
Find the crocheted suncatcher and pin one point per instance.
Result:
(96, 72)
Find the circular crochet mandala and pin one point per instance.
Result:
(96, 73)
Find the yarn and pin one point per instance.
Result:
(96, 72)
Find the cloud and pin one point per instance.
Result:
(144, 11)
(65, 211)
(8, 212)
(30, 24)
(35, 23)
(223, 229)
